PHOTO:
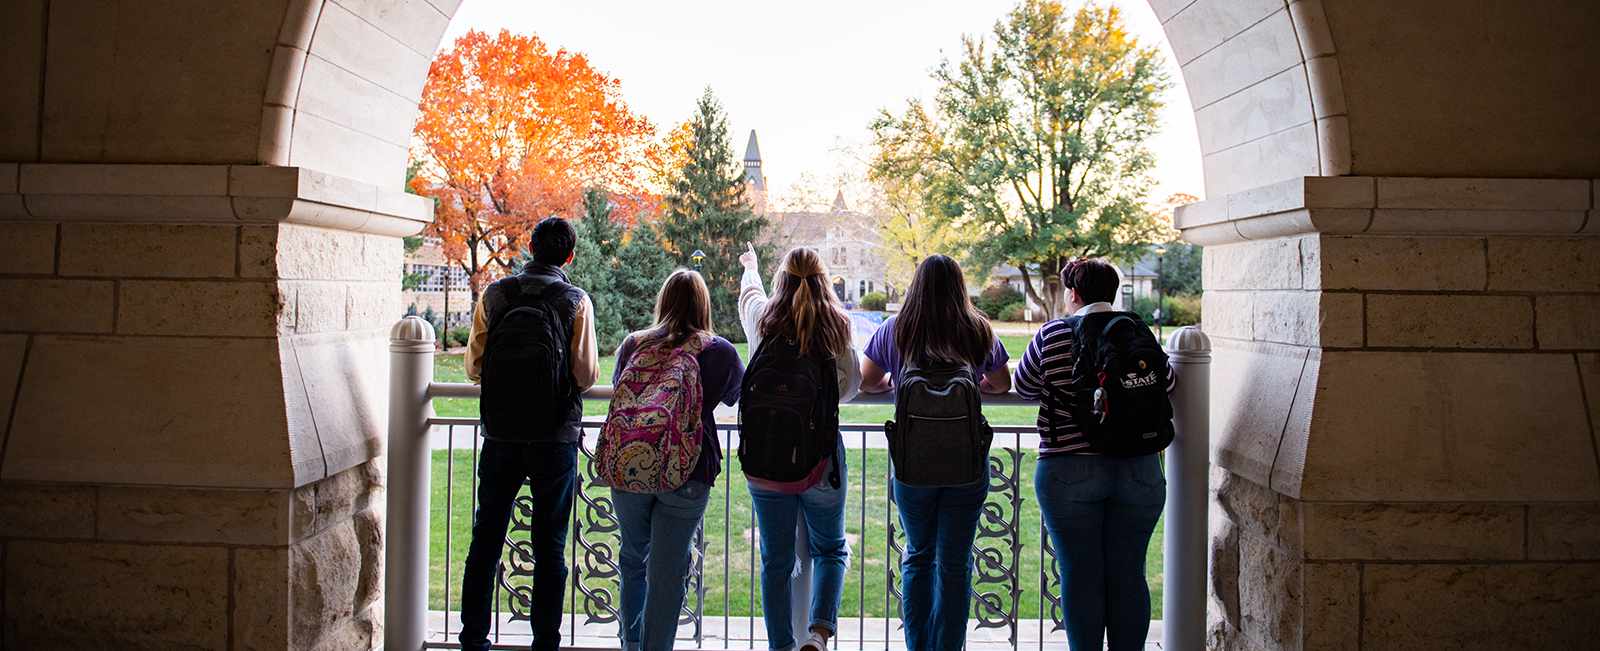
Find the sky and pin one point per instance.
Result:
(809, 77)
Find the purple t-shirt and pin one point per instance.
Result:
(882, 351)
(721, 374)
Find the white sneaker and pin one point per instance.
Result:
(815, 643)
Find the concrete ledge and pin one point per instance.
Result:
(207, 194)
(1353, 205)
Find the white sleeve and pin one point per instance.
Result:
(752, 302)
(849, 365)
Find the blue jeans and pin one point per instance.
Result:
(936, 574)
(657, 530)
(777, 515)
(1100, 513)
(549, 469)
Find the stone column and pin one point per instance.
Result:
(1405, 388)
(192, 377)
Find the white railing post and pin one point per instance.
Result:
(1183, 600)
(405, 608)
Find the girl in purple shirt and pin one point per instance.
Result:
(937, 322)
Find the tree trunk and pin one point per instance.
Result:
(1027, 288)
(1055, 296)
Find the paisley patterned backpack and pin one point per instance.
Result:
(651, 439)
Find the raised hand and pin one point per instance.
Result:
(748, 258)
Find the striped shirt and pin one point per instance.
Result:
(1046, 366)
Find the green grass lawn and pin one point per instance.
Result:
(729, 553)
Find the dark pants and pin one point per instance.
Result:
(1100, 513)
(550, 470)
(936, 573)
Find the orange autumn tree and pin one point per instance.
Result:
(509, 133)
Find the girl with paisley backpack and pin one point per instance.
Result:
(661, 466)
(803, 366)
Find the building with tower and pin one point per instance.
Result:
(848, 240)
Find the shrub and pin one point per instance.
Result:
(1013, 311)
(1183, 309)
(1180, 309)
(458, 336)
(874, 302)
(995, 297)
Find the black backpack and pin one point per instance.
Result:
(939, 436)
(788, 413)
(1119, 384)
(527, 375)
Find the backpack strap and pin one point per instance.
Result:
(511, 292)
(697, 343)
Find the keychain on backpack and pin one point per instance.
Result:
(1100, 407)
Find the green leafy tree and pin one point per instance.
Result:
(1180, 269)
(643, 263)
(706, 210)
(594, 266)
(1034, 148)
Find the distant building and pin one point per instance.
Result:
(429, 261)
(848, 241)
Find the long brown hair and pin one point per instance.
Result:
(938, 321)
(683, 308)
(804, 308)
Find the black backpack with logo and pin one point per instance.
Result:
(788, 412)
(1119, 385)
(528, 391)
(939, 436)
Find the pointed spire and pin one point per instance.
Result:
(838, 202)
(752, 152)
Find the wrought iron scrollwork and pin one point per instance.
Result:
(596, 573)
(998, 545)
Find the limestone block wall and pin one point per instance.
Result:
(99, 565)
(193, 386)
(1406, 385)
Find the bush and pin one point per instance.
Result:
(1013, 311)
(458, 336)
(874, 302)
(1183, 309)
(996, 297)
(1180, 309)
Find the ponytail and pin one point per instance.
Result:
(803, 308)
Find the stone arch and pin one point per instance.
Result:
(1264, 80)
(1400, 231)
(1399, 189)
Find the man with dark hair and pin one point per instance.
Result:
(533, 349)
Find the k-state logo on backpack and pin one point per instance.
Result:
(527, 377)
(651, 439)
(1119, 385)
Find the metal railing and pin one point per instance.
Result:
(1000, 551)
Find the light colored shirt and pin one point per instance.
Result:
(583, 351)
(753, 302)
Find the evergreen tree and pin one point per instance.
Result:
(707, 211)
(593, 267)
(643, 263)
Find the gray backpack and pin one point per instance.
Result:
(939, 436)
